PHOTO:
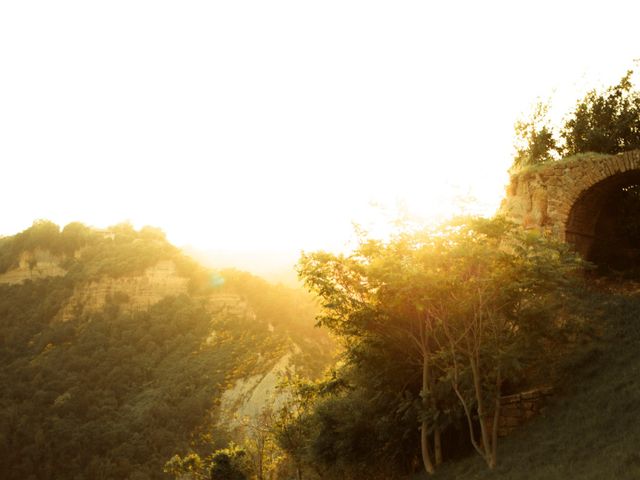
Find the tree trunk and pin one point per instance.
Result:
(437, 446)
(424, 444)
(260, 458)
(424, 427)
(496, 418)
(487, 446)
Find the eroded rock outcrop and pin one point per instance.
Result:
(32, 266)
(131, 293)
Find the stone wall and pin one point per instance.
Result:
(515, 410)
(564, 198)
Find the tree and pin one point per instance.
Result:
(602, 121)
(229, 464)
(259, 443)
(607, 122)
(74, 236)
(534, 141)
(374, 300)
(190, 466)
(504, 293)
(42, 234)
(292, 423)
(224, 464)
(469, 305)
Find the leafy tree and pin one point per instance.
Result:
(292, 422)
(534, 139)
(74, 236)
(373, 300)
(468, 307)
(262, 451)
(42, 234)
(500, 302)
(229, 464)
(190, 466)
(605, 122)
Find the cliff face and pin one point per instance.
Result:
(126, 353)
(32, 266)
(250, 395)
(132, 293)
(230, 304)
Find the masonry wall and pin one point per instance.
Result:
(564, 198)
(516, 410)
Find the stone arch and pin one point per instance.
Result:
(566, 199)
(586, 220)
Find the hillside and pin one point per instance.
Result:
(116, 350)
(590, 430)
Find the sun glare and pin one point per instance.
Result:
(276, 127)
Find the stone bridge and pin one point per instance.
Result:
(577, 200)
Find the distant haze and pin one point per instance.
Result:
(276, 267)
(271, 126)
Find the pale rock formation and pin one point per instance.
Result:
(138, 292)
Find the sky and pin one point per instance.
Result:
(273, 126)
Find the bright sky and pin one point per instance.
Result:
(273, 125)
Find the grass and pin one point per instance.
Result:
(575, 158)
(591, 430)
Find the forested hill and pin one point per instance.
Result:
(115, 350)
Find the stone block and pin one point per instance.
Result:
(510, 411)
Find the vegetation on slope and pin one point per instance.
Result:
(435, 327)
(113, 393)
(119, 393)
(591, 430)
(518, 296)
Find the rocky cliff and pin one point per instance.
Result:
(34, 265)
(136, 292)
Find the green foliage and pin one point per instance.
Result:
(224, 464)
(262, 451)
(606, 122)
(229, 464)
(88, 253)
(115, 393)
(535, 143)
(42, 234)
(590, 431)
(362, 434)
(122, 251)
(191, 465)
(125, 387)
(74, 236)
(116, 252)
(417, 317)
(293, 425)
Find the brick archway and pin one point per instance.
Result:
(565, 198)
(585, 214)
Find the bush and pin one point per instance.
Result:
(603, 122)
(607, 122)
(229, 464)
